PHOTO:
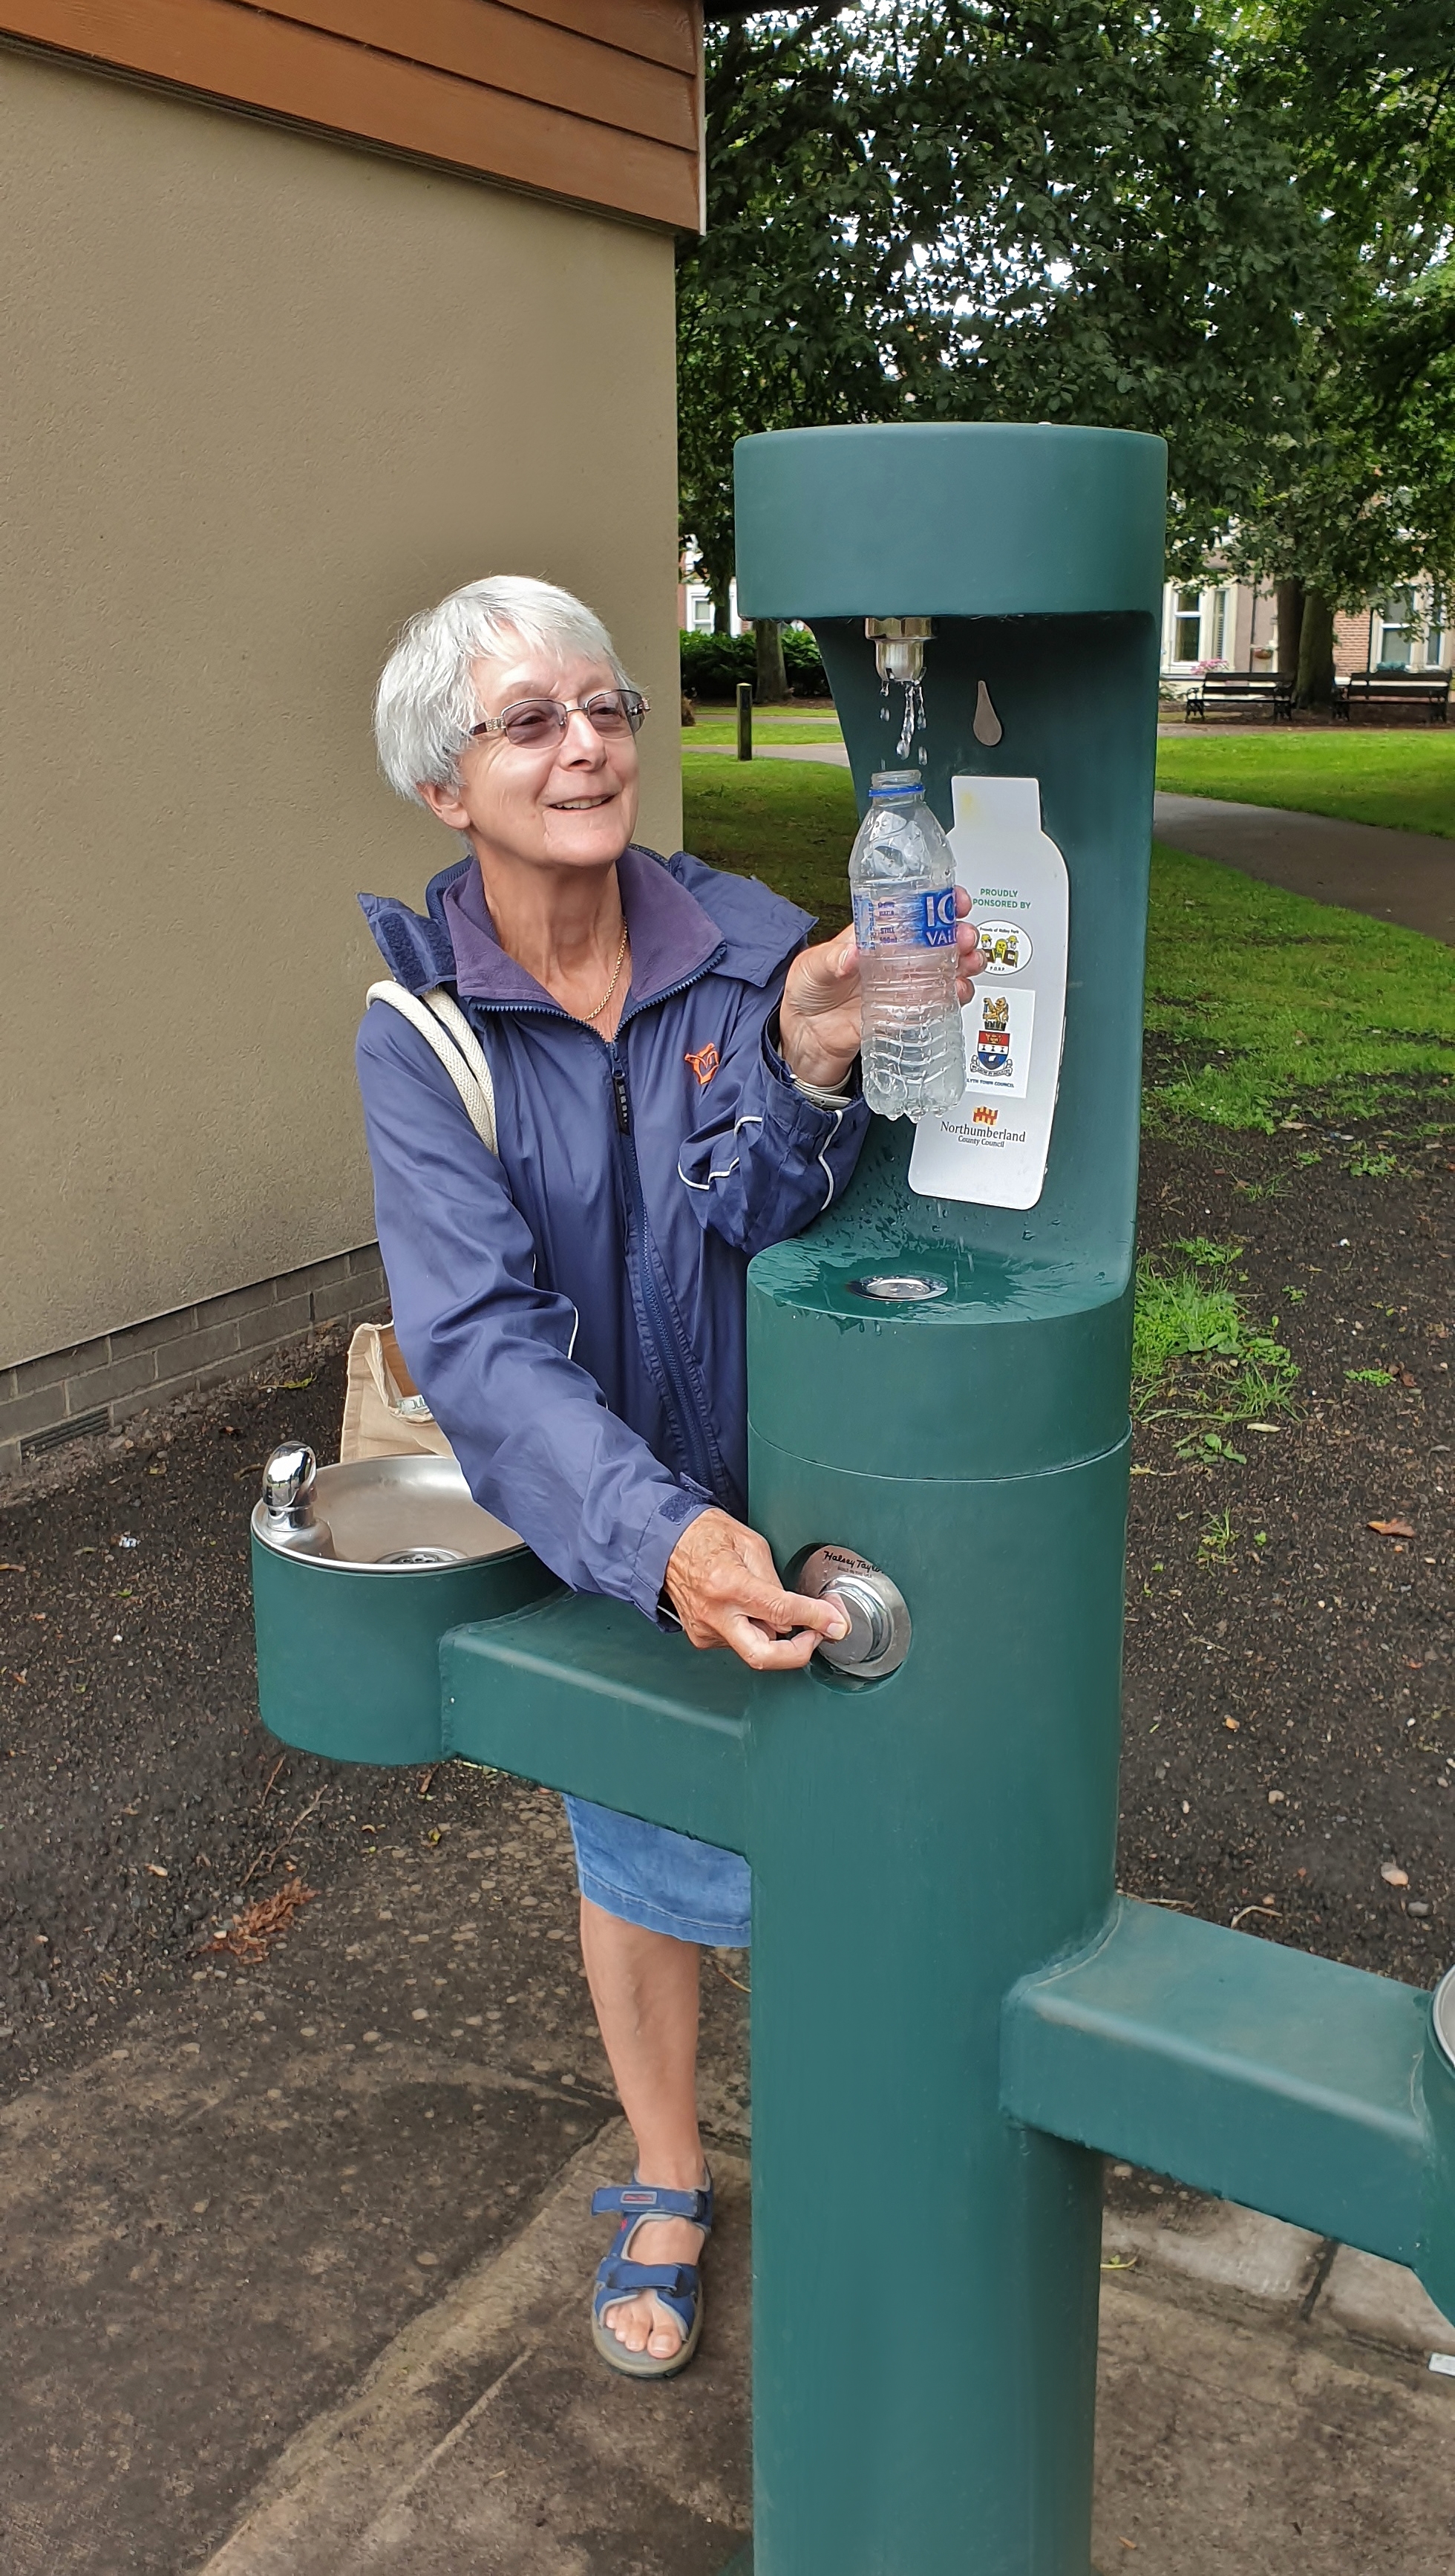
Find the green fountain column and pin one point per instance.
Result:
(926, 2273)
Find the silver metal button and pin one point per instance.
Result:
(1443, 2008)
(878, 1615)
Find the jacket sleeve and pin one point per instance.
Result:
(773, 1156)
(491, 1351)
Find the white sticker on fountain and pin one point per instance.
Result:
(992, 1147)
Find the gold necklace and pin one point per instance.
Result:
(586, 1017)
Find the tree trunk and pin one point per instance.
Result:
(771, 687)
(1288, 596)
(1316, 652)
(721, 596)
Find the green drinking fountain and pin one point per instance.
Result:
(954, 2014)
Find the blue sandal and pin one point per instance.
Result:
(677, 2286)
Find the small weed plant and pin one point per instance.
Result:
(1195, 1356)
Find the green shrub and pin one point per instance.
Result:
(713, 665)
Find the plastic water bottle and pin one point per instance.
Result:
(902, 878)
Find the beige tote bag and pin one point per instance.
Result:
(385, 1416)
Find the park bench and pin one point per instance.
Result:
(1415, 689)
(1261, 693)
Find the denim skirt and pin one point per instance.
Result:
(663, 1881)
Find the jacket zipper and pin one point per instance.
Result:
(689, 1428)
(691, 1435)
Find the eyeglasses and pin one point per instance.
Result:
(532, 723)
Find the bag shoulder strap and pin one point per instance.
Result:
(444, 1028)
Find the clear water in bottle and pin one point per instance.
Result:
(902, 879)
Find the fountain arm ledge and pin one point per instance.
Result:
(1269, 2077)
(582, 1694)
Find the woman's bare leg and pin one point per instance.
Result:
(645, 1989)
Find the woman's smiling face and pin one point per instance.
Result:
(571, 804)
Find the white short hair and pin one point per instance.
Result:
(426, 700)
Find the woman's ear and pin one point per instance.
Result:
(444, 802)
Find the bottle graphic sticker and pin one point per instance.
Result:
(991, 1147)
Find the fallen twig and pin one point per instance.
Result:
(272, 1776)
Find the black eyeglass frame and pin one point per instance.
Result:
(627, 702)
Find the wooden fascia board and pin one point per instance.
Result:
(479, 40)
(239, 56)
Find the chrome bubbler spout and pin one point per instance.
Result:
(899, 645)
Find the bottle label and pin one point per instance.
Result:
(899, 919)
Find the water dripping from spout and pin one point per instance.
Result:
(987, 727)
(914, 715)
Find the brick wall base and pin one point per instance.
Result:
(97, 1386)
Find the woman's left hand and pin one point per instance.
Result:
(819, 1018)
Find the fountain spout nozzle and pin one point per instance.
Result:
(899, 645)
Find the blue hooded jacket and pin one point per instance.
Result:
(573, 1307)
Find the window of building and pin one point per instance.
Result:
(1394, 631)
(1187, 626)
(1437, 634)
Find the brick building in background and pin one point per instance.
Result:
(1235, 624)
(310, 314)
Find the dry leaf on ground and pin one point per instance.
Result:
(1391, 1529)
(251, 1934)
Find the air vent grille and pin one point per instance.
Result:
(81, 1426)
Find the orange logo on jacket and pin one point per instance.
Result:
(704, 1064)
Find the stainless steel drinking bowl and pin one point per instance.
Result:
(382, 1509)
(358, 1571)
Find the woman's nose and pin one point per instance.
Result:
(580, 736)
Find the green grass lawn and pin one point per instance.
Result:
(1405, 777)
(1258, 1002)
(789, 822)
(802, 723)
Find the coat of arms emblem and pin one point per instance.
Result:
(992, 1047)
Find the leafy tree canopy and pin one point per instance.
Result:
(1230, 224)
(996, 209)
(1362, 500)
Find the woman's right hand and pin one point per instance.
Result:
(724, 1586)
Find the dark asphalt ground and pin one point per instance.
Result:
(141, 1802)
(1289, 1705)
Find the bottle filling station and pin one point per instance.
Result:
(938, 1397)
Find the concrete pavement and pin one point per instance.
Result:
(294, 2281)
(1407, 877)
(1250, 2420)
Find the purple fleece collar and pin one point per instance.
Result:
(672, 938)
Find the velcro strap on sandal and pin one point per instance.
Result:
(639, 2200)
(622, 2279)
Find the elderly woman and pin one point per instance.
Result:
(674, 1085)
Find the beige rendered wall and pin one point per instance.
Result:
(261, 396)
